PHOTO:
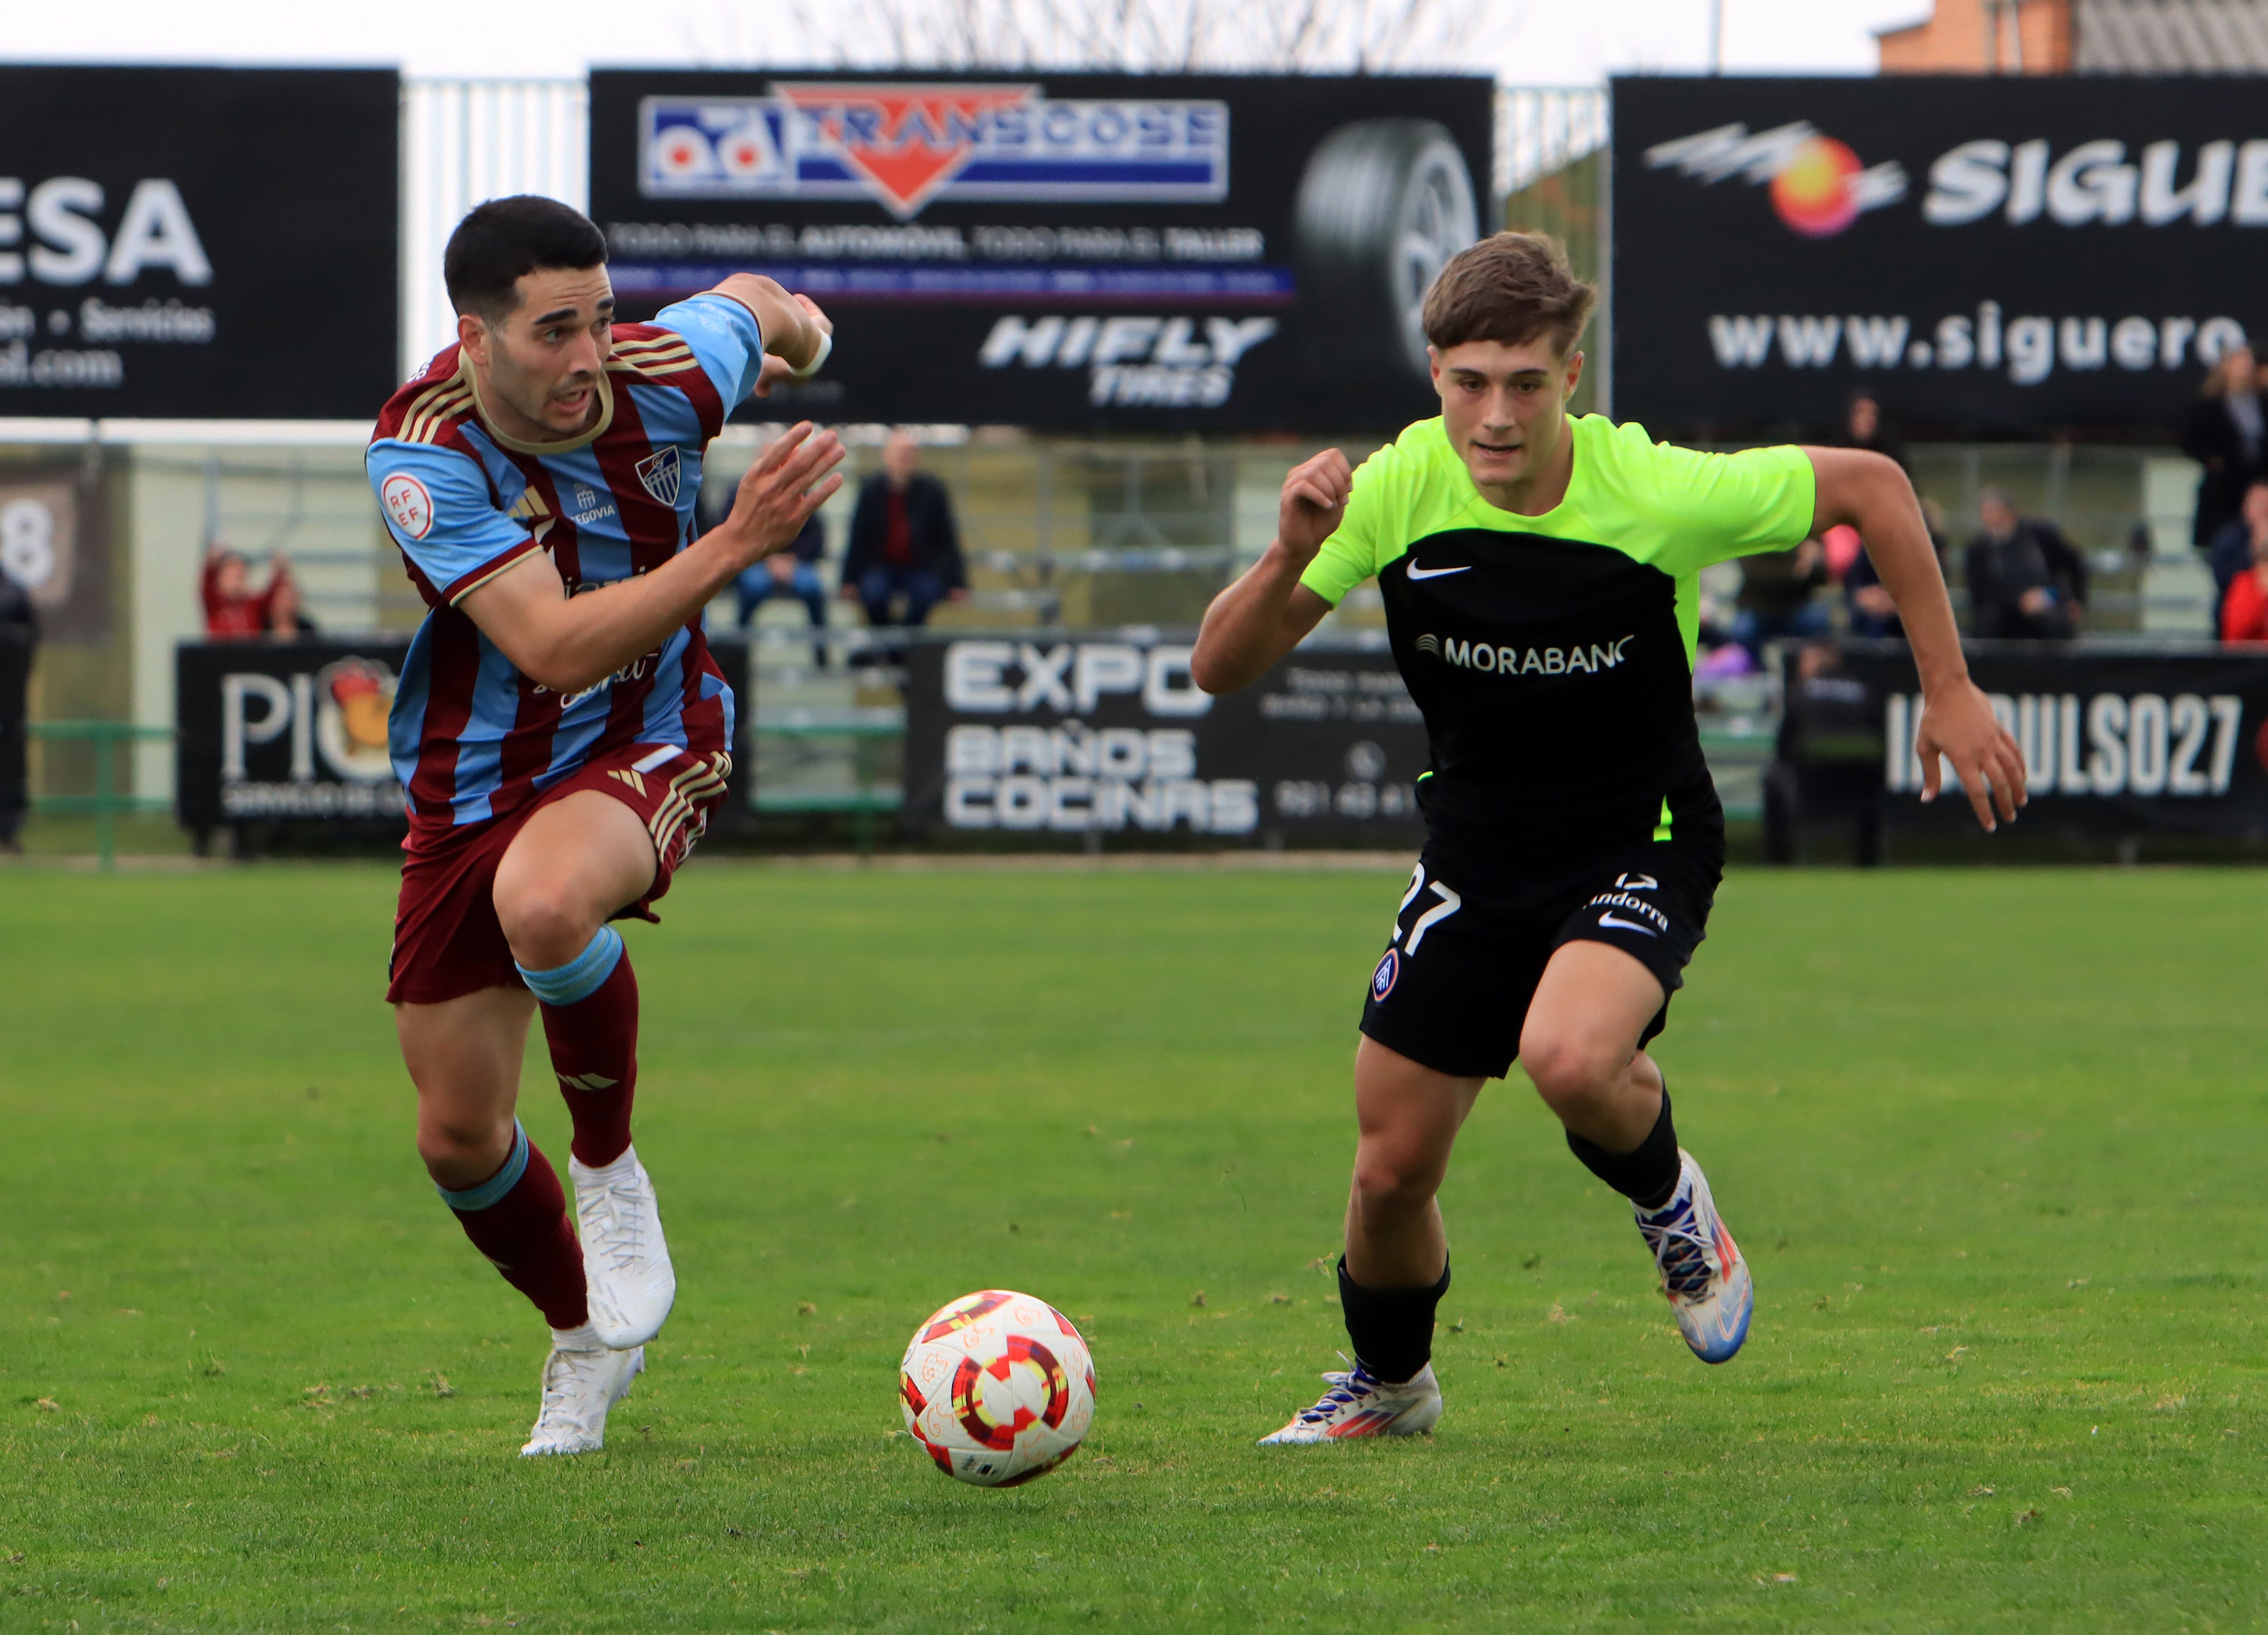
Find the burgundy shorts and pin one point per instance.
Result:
(447, 942)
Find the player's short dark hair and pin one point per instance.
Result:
(1510, 288)
(501, 241)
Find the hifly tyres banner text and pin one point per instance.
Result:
(1109, 736)
(199, 243)
(2114, 743)
(1074, 251)
(1987, 255)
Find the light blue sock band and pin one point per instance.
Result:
(496, 1185)
(580, 977)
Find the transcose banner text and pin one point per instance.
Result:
(1135, 252)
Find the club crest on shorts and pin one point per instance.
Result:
(658, 471)
(1381, 980)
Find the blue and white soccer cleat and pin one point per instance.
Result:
(1359, 1404)
(1703, 1272)
(582, 1380)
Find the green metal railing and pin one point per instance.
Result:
(106, 802)
(866, 730)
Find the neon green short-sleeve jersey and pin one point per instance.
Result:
(1553, 655)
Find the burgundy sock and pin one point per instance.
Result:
(594, 1051)
(518, 1217)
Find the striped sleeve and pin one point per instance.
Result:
(438, 506)
(726, 339)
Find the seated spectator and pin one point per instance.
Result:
(2026, 581)
(2237, 546)
(902, 541)
(1872, 613)
(233, 610)
(2244, 609)
(791, 572)
(1776, 601)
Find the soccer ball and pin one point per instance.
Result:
(999, 1388)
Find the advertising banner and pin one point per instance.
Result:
(295, 731)
(1089, 251)
(1109, 736)
(285, 730)
(1986, 254)
(2114, 743)
(198, 243)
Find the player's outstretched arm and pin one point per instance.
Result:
(1263, 616)
(1867, 492)
(570, 643)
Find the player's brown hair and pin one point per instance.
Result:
(1511, 287)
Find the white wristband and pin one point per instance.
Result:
(826, 345)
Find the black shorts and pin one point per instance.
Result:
(1470, 945)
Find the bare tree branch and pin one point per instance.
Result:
(1129, 35)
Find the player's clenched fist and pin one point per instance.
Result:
(781, 489)
(819, 330)
(1314, 499)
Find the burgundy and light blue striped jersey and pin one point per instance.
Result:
(471, 737)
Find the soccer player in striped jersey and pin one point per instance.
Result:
(1538, 572)
(561, 731)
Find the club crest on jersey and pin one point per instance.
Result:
(902, 145)
(658, 473)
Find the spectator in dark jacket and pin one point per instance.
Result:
(790, 572)
(903, 541)
(2227, 435)
(2026, 581)
(19, 634)
(1863, 427)
(2242, 540)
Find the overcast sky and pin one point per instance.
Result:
(1525, 41)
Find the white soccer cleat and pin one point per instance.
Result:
(1359, 1404)
(625, 1260)
(1703, 1272)
(582, 1379)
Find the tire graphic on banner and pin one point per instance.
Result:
(1384, 205)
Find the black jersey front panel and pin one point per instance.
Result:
(1553, 679)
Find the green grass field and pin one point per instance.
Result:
(1994, 1141)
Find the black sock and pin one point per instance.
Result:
(1646, 1175)
(1392, 1328)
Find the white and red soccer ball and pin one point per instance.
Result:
(999, 1388)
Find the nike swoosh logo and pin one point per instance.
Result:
(1417, 572)
(1611, 923)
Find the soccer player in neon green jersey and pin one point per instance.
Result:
(1538, 574)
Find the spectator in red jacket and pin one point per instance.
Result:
(233, 610)
(2244, 609)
